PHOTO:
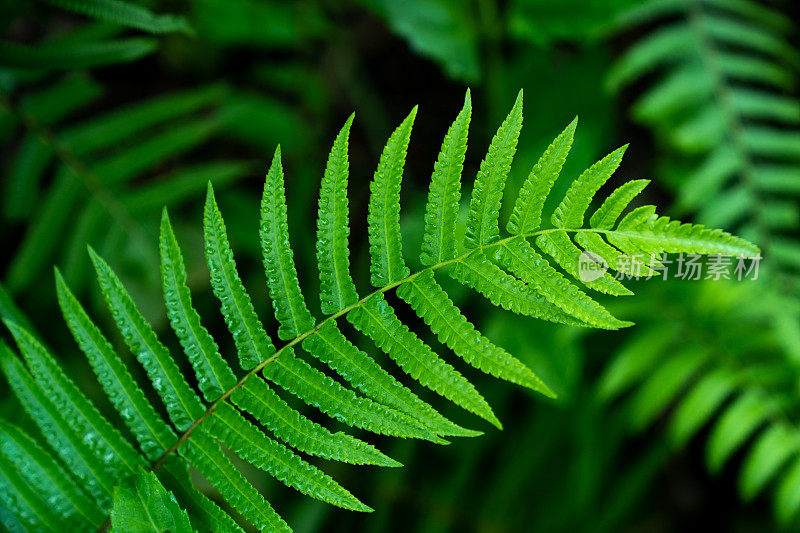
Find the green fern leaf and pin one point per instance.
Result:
(317, 389)
(252, 343)
(737, 423)
(441, 211)
(787, 501)
(700, 404)
(633, 362)
(484, 205)
(376, 318)
(659, 47)
(385, 247)
(331, 346)
(205, 514)
(125, 14)
(527, 214)
(214, 376)
(284, 287)
(206, 455)
(508, 270)
(19, 497)
(76, 453)
(145, 505)
(503, 290)
(337, 289)
(673, 236)
(287, 424)
(57, 500)
(183, 405)
(152, 433)
(773, 449)
(663, 385)
(569, 213)
(108, 444)
(607, 214)
(560, 247)
(431, 303)
(251, 444)
(613, 257)
(525, 263)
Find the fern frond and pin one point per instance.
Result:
(55, 500)
(205, 514)
(183, 405)
(331, 346)
(709, 382)
(152, 433)
(214, 375)
(441, 211)
(385, 247)
(337, 290)
(507, 269)
(570, 211)
(607, 214)
(284, 287)
(504, 290)
(721, 100)
(319, 390)
(203, 452)
(76, 453)
(560, 247)
(254, 346)
(252, 343)
(21, 498)
(84, 418)
(125, 14)
(527, 214)
(75, 55)
(484, 205)
(740, 420)
(376, 318)
(528, 265)
(166, 127)
(773, 448)
(431, 303)
(251, 444)
(145, 505)
(293, 428)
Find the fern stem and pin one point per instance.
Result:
(213, 406)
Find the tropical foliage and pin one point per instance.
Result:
(197, 398)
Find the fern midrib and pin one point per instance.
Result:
(334, 235)
(282, 266)
(289, 344)
(147, 510)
